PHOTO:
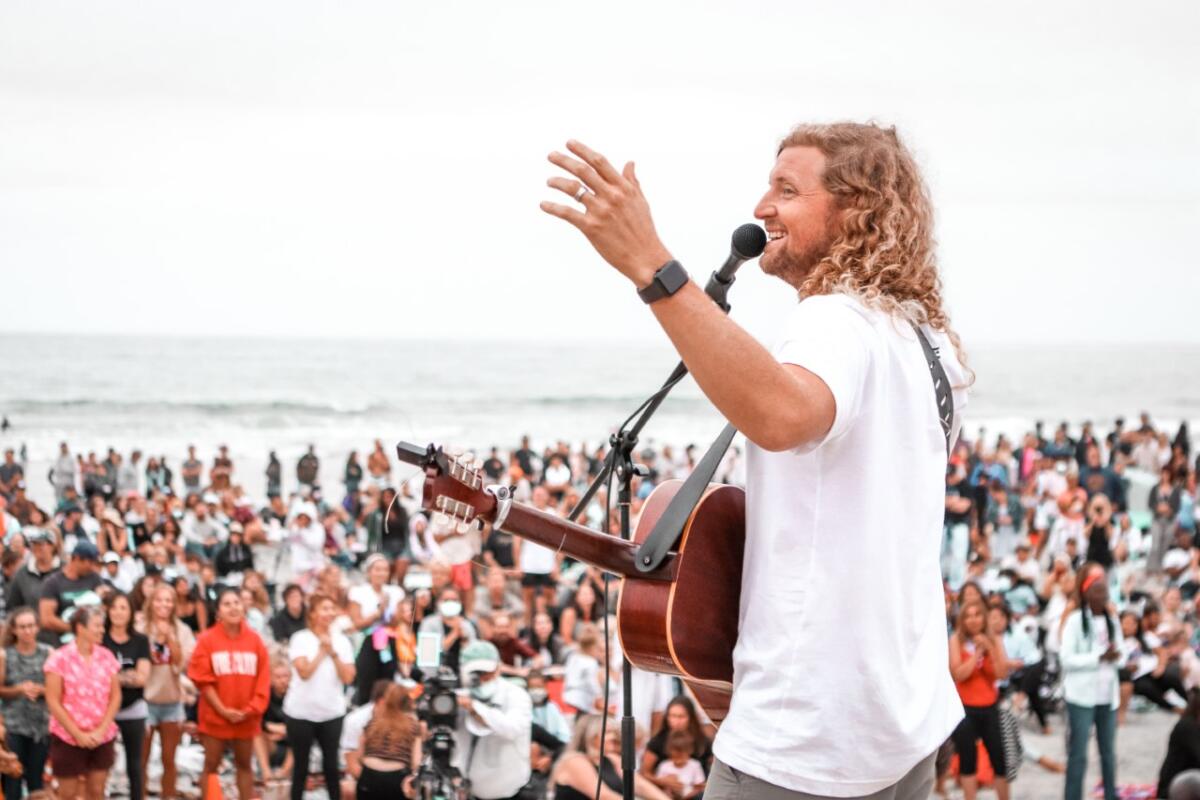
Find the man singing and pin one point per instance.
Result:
(841, 678)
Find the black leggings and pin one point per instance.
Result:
(1155, 689)
(133, 734)
(32, 754)
(301, 734)
(1029, 681)
(981, 722)
(374, 783)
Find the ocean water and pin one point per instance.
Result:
(160, 393)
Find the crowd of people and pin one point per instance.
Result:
(150, 613)
(1072, 577)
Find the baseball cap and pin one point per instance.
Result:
(35, 535)
(86, 550)
(480, 656)
(111, 558)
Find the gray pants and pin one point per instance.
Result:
(726, 783)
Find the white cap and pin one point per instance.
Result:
(307, 509)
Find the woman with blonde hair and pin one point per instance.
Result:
(171, 645)
(977, 662)
(583, 682)
(585, 761)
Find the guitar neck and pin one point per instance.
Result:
(600, 550)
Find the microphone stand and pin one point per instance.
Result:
(619, 462)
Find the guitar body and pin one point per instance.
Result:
(688, 627)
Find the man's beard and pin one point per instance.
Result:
(793, 268)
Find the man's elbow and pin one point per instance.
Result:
(782, 435)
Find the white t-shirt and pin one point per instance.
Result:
(368, 601)
(536, 559)
(581, 682)
(323, 696)
(690, 774)
(840, 677)
(354, 725)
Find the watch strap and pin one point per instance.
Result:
(669, 279)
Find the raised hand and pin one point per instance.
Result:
(616, 217)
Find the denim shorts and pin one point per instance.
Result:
(158, 713)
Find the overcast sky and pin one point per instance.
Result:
(373, 169)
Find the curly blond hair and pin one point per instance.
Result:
(884, 251)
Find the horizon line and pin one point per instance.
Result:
(1090, 344)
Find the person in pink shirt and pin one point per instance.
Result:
(83, 694)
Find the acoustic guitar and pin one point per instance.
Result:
(680, 619)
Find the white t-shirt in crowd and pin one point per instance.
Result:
(840, 677)
(581, 682)
(691, 774)
(354, 725)
(535, 558)
(323, 696)
(368, 601)
(557, 475)
(307, 547)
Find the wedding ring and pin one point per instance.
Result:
(580, 193)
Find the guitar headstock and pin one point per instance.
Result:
(453, 485)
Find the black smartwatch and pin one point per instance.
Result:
(670, 278)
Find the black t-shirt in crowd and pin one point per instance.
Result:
(493, 468)
(500, 545)
(274, 712)
(128, 654)
(960, 489)
(65, 592)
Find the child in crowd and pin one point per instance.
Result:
(680, 765)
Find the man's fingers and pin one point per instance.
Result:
(563, 212)
(580, 170)
(571, 188)
(595, 160)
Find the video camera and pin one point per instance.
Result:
(438, 709)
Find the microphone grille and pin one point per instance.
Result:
(749, 241)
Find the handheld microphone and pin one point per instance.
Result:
(748, 242)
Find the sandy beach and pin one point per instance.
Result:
(1141, 745)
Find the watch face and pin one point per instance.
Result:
(669, 279)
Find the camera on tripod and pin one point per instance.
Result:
(438, 708)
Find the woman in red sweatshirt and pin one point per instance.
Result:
(231, 669)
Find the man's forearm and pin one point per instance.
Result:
(761, 397)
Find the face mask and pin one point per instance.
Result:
(450, 608)
(538, 696)
(485, 691)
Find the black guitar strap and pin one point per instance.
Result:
(941, 387)
(670, 525)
